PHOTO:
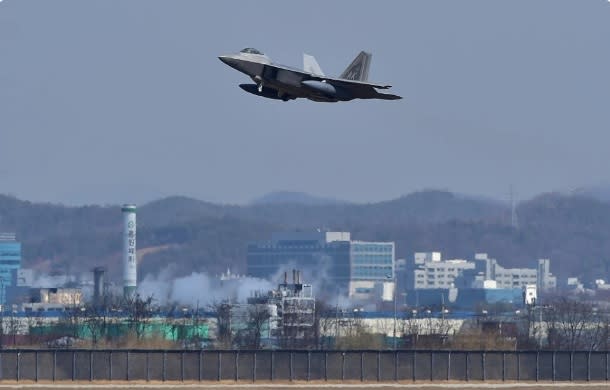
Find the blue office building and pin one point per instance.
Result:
(331, 261)
(10, 260)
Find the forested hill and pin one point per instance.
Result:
(192, 235)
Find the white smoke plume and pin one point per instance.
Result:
(199, 289)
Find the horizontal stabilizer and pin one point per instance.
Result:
(310, 65)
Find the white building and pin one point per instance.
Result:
(429, 271)
(433, 272)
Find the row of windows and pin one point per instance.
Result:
(372, 259)
(10, 254)
(378, 248)
(372, 272)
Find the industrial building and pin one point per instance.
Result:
(10, 261)
(337, 263)
(429, 271)
(431, 281)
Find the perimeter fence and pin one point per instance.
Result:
(298, 365)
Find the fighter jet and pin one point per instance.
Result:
(285, 83)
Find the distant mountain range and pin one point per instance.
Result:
(180, 235)
(294, 197)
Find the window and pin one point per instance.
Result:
(249, 50)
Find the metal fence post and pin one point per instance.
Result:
(395, 366)
(109, 364)
(378, 367)
(163, 364)
(19, 365)
(218, 366)
(127, 369)
(571, 366)
(414, 365)
(254, 367)
(325, 366)
(272, 365)
(589, 366)
(90, 365)
(553, 365)
(606, 366)
(291, 367)
(236, 365)
(181, 366)
(467, 367)
(36, 366)
(537, 365)
(54, 364)
(200, 362)
(431, 366)
(73, 365)
(483, 365)
(503, 366)
(449, 365)
(308, 365)
(342, 366)
(361, 366)
(147, 366)
(518, 365)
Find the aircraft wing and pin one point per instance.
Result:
(334, 81)
(350, 83)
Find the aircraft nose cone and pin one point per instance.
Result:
(229, 60)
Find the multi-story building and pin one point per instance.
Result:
(432, 272)
(541, 276)
(10, 260)
(429, 271)
(337, 263)
(546, 281)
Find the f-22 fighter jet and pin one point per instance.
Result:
(281, 82)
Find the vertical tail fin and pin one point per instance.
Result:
(359, 68)
(311, 65)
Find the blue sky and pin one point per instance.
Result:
(126, 101)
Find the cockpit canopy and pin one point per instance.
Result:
(249, 50)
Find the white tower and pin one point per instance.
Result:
(129, 250)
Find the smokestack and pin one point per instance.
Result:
(298, 277)
(294, 276)
(98, 285)
(285, 277)
(129, 250)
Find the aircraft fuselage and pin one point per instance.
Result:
(276, 81)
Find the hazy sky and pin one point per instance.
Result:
(120, 101)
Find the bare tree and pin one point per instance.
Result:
(222, 311)
(258, 321)
(574, 325)
(14, 326)
(139, 314)
(96, 321)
